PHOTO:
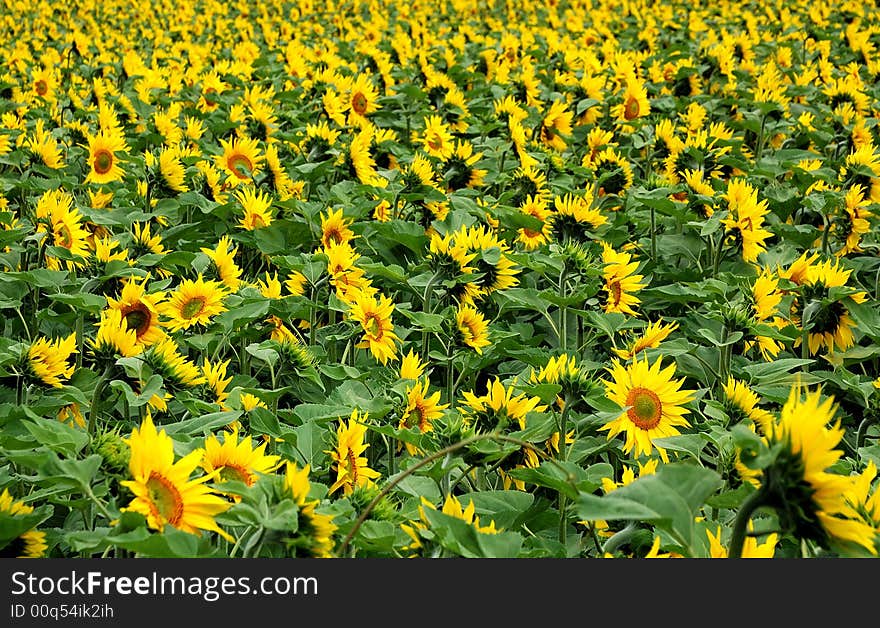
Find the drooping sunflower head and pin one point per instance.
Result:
(811, 500)
(495, 270)
(472, 328)
(499, 407)
(47, 362)
(178, 372)
(315, 530)
(114, 339)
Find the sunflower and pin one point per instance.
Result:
(653, 404)
(257, 206)
(63, 224)
(240, 161)
(411, 366)
(831, 326)
(374, 316)
(352, 469)
(216, 381)
(103, 159)
(48, 360)
(144, 241)
(315, 530)
(29, 544)
(810, 500)
(613, 172)
(421, 410)
(650, 338)
(169, 173)
(574, 218)
(741, 403)
(473, 329)
(531, 239)
(319, 139)
(420, 531)
(458, 169)
(751, 548)
(436, 139)
(163, 490)
(634, 102)
(44, 146)
(847, 229)
(140, 310)
(165, 358)
(193, 303)
(745, 224)
(238, 460)
(621, 281)
(556, 126)
(114, 338)
(495, 270)
(335, 228)
(499, 407)
(362, 99)
(223, 259)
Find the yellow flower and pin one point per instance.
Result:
(140, 310)
(48, 359)
(621, 281)
(193, 303)
(223, 258)
(163, 490)
(472, 328)
(421, 410)
(103, 161)
(29, 544)
(352, 468)
(240, 161)
(374, 316)
(238, 460)
(334, 228)
(751, 547)
(257, 206)
(317, 526)
(653, 404)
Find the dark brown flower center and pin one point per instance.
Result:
(103, 161)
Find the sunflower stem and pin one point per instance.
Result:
(620, 538)
(716, 259)
(738, 537)
(79, 338)
(860, 432)
(653, 237)
(343, 548)
(96, 403)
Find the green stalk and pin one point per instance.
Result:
(738, 537)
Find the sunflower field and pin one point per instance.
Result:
(468, 278)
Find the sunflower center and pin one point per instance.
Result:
(416, 417)
(41, 87)
(138, 318)
(359, 103)
(333, 234)
(103, 161)
(615, 292)
(237, 473)
(165, 499)
(435, 142)
(645, 408)
(240, 166)
(631, 109)
(373, 326)
(63, 237)
(193, 307)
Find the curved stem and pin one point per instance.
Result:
(752, 503)
(424, 462)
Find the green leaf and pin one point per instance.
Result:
(203, 424)
(57, 436)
